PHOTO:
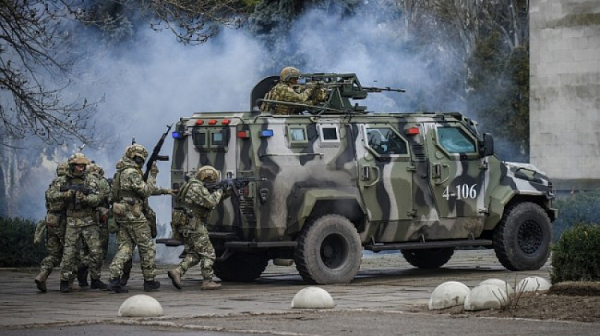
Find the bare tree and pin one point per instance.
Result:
(191, 21)
(34, 68)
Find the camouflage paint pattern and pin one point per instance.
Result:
(426, 192)
(397, 177)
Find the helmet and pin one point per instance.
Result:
(208, 174)
(289, 73)
(78, 159)
(62, 169)
(136, 150)
(95, 169)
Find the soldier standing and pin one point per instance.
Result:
(288, 90)
(80, 193)
(55, 222)
(130, 192)
(102, 218)
(196, 202)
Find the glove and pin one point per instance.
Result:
(80, 196)
(68, 194)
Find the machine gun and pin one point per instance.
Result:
(76, 187)
(156, 154)
(234, 183)
(342, 87)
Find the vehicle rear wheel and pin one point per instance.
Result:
(428, 258)
(522, 239)
(329, 251)
(241, 267)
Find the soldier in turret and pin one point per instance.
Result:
(288, 90)
(195, 202)
(130, 192)
(80, 193)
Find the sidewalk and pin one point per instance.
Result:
(385, 284)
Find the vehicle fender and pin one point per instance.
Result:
(338, 201)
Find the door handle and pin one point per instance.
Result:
(375, 168)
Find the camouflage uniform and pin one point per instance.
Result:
(130, 193)
(287, 90)
(81, 222)
(196, 202)
(102, 218)
(55, 223)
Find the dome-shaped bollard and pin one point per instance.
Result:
(486, 297)
(533, 284)
(500, 283)
(141, 305)
(448, 294)
(312, 298)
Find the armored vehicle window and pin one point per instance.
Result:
(297, 134)
(217, 139)
(385, 141)
(454, 140)
(198, 137)
(329, 133)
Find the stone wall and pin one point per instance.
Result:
(565, 91)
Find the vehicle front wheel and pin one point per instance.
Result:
(522, 239)
(329, 251)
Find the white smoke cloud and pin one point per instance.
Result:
(157, 80)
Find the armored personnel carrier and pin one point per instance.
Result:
(334, 180)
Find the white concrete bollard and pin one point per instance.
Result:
(533, 284)
(486, 297)
(448, 294)
(141, 305)
(500, 283)
(312, 298)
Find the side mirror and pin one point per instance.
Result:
(487, 147)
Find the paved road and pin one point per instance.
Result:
(380, 301)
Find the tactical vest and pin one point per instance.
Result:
(117, 193)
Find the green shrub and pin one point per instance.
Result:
(583, 207)
(17, 247)
(576, 255)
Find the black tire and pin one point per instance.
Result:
(241, 267)
(428, 258)
(522, 239)
(329, 251)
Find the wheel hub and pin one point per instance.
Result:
(530, 237)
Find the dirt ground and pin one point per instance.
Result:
(574, 301)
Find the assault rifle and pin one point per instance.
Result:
(76, 187)
(234, 183)
(156, 154)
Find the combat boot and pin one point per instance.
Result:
(64, 286)
(82, 274)
(124, 279)
(209, 285)
(115, 285)
(150, 285)
(175, 275)
(40, 281)
(98, 284)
